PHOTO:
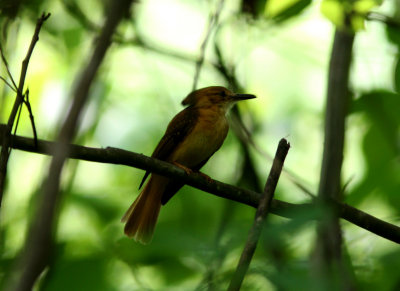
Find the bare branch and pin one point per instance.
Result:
(244, 196)
(5, 153)
(8, 84)
(261, 214)
(4, 59)
(25, 62)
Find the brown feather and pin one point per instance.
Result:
(141, 217)
(179, 127)
(191, 138)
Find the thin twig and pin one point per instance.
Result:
(8, 84)
(211, 24)
(31, 117)
(261, 214)
(25, 62)
(244, 196)
(5, 145)
(4, 59)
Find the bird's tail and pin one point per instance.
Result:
(141, 217)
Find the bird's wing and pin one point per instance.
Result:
(179, 127)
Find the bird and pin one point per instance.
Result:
(190, 139)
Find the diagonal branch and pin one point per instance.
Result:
(261, 214)
(244, 196)
(8, 84)
(4, 59)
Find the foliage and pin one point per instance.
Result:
(280, 54)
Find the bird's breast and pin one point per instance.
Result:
(203, 141)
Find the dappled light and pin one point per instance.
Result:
(88, 88)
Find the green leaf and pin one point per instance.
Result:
(282, 10)
(72, 37)
(85, 273)
(393, 34)
(336, 11)
(380, 146)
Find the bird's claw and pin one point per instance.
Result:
(190, 171)
(186, 169)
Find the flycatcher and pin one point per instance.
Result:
(191, 138)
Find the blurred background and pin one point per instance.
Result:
(278, 50)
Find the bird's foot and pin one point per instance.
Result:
(186, 169)
(190, 171)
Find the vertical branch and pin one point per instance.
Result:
(328, 251)
(261, 213)
(5, 153)
(38, 244)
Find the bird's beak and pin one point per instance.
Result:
(238, 97)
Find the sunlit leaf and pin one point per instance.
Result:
(336, 11)
(365, 6)
(282, 10)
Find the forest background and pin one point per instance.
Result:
(297, 56)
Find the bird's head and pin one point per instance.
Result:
(214, 96)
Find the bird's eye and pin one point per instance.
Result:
(222, 94)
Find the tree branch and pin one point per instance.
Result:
(328, 260)
(5, 153)
(251, 198)
(261, 214)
